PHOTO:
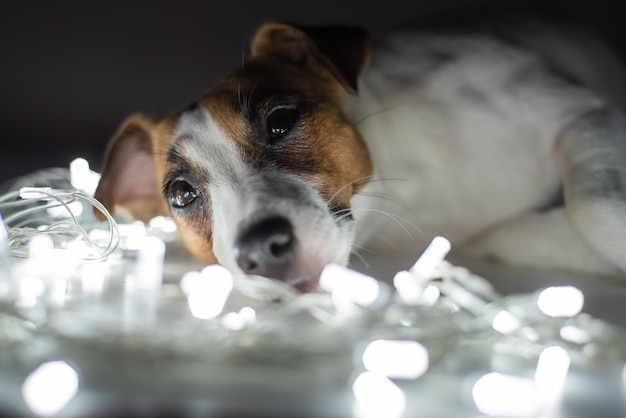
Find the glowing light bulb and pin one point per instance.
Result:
(504, 395)
(74, 208)
(163, 223)
(376, 396)
(248, 314)
(133, 233)
(236, 321)
(396, 358)
(345, 284)
(149, 265)
(93, 278)
(434, 254)
(207, 291)
(505, 323)
(143, 286)
(411, 291)
(551, 374)
(575, 334)
(40, 247)
(29, 290)
(53, 266)
(50, 387)
(561, 301)
(81, 176)
(408, 287)
(35, 192)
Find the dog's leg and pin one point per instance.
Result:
(591, 152)
(590, 231)
(543, 240)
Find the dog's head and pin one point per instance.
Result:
(258, 174)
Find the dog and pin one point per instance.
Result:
(508, 140)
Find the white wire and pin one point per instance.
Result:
(17, 203)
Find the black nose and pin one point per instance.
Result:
(267, 248)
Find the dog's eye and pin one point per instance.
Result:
(280, 120)
(182, 193)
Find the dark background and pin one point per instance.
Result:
(71, 72)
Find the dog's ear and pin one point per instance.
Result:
(128, 179)
(343, 50)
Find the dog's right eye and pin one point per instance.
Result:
(279, 120)
(182, 193)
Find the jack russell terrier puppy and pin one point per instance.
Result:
(508, 140)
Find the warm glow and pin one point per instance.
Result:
(505, 323)
(133, 235)
(348, 285)
(434, 254)
(50, 387)
(376, 396)
(236, 321)
(551, 374)
(408, 287)
(498, 394)
(561, 301)
(411, 291)
(207, 291)
(163, 223)
(81, 176)
(149, 265)
(29, 290)
(396, 359)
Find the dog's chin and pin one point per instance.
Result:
(305, 274)
(309, 283)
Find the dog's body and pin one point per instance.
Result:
(474, 125)
(510, 149)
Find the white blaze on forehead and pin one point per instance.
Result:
(208, 146)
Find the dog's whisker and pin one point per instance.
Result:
(362, 259)
(386, 240)
(383, 238)
(377, 113)
(250, 95)
(396, 218)
(243, 62)
(362, 248)
(351, 183)
(370, 179)
(388, 197)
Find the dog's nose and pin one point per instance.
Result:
(267, 248)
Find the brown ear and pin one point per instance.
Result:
(128, 179)
(344, 51)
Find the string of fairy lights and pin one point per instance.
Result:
(76, 292)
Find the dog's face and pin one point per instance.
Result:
(259, 173)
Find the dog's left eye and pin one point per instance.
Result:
(182, 193)
(279, 120)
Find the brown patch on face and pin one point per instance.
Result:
(321, 146)
(198, 242)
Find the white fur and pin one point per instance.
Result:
(462, 131)
(211, 147)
